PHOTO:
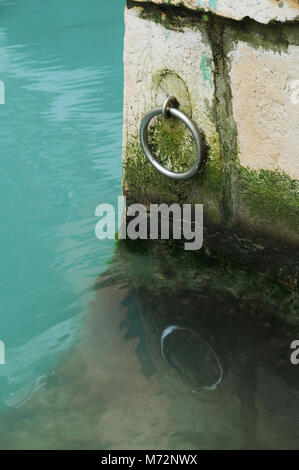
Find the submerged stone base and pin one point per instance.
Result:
(134, 382)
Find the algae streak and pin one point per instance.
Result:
(273, 198)
(143, 183)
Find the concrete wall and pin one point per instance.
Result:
(239, 81)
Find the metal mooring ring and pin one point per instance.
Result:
(167, 111)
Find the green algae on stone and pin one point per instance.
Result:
(275, 37)
(143, 183)
(271, 195)
(168, 83)
(171, 267)
(174, 151)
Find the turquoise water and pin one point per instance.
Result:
(61, 137)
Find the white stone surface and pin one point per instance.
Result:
(262, 11)
(265, 91)
(150, 48)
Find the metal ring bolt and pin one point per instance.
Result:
(168, 110)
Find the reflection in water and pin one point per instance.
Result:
(186, 350)
(115, 390)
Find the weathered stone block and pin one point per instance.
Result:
(160, 61)
(239, 84)
(262, 11)
(264, 110)
(266, 114)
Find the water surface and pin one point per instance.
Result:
(61, 131)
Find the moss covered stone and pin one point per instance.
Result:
(143, 183)
(271, 196)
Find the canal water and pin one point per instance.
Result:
(61, 139)
(134, 345)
